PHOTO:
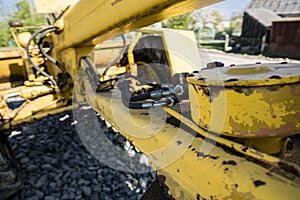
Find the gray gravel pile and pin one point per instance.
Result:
(56, 165)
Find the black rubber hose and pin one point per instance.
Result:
(126, 98)
(51, 59)
(140, 97)
(28, 53)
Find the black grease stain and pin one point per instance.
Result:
(244, 149)
(230, 162)
(161, 178)
(202, 155)
(231, 80)
(258, 183)
(195, 88)
(193, 149)
(178, 142)
(268, 173)
(275, 77)
(214, 157)
(288, 167)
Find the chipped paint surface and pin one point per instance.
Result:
(195, 175)
(250, 107)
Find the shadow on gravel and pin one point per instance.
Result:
(55, 165)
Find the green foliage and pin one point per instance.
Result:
(27, 15)
(24, 13)
(5, 35)
(235, 26)
(183, 22)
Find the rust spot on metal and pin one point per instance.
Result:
(230, 162)
(258, 183)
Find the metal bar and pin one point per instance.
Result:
(89, 19)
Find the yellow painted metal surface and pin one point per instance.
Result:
(192, 175)
(183, 55)
(237, 147)
(11, 68)
(248, 101)
(89, 19)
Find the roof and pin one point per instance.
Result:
(263, 16)
(280, 7)
(288, 19)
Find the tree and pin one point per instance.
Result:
(235, 25)
(207, 18)
(183, 22)
(28, 16)
(23, 13)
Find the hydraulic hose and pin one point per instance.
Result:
(51, 59)
(128, 102)
(28, 53)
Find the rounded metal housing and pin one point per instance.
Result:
(247, 101)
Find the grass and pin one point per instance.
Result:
(212, 44)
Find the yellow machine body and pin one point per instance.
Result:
(250, 101)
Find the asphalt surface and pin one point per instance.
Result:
(212, 55)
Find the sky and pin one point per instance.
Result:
(227, 7)
(230, 7)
